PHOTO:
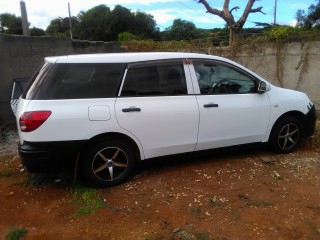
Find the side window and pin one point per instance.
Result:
(77, 81)
(155, 79)
(219, 78)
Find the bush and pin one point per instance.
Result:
(126, 37)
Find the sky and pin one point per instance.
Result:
(41, 12)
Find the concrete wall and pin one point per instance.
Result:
(293, 65)
(21, 56)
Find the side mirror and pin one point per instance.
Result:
(263, 87)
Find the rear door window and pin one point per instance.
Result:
(155, 79)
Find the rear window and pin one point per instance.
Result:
(75, 81)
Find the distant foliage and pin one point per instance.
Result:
(311, 19)
(60, 27)
(37, 32)
(102, 24)
(10, 24)
(181, 30)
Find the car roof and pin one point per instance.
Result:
(128, 57)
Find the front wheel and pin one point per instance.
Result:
(286, 135)
(108, 163)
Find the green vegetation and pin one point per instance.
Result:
(138, 30)
(202, 236)
(259, 204)
(10, 24)
(35, 180)
(16, 234)
(87, 200)
(166, 231)
(5, 174)
(181, 30)
(217, 202)
(126, 37)
(311, 19)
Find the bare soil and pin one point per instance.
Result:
(232, 194)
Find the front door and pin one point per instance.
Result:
(232, 112)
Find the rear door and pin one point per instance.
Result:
(232, 111)
(154, 104)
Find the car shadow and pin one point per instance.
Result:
(199, 157)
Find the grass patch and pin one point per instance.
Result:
(87, 201)
(196, 211)
(314, 229)
(220, 202)
(259, 204)
(202, 236)
(5, 174)
(35, 180)
(166, 231)
(16, 234)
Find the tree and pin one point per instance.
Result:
(10, 24)
(312, 19)
(226, 14)
(102, 24)
(181, 30)
(37, 31)
(145, 25)
(60, 27)
(93, 24)
(118, 21)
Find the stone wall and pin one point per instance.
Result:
(292, 65)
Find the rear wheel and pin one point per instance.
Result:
(108, 162)
(286, 135)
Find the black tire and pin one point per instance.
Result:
(285, 135)
(108, 162)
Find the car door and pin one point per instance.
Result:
(232, 111)
(154, 104)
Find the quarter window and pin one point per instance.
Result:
(155, 79)
(76, 81)
(219, 78)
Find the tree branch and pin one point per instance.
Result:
(246, 12)
(234, 8)
(214, 11)
(257, 10)
(226, 6)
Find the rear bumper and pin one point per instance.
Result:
(43, 157)
(310, 122)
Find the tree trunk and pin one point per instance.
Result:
(234, 36)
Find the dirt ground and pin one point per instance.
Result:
(233, 194)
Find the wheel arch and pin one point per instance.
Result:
(297, 114)
(118, 136)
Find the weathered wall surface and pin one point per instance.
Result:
(21, 56)
(294, 65)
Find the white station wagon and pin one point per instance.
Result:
(106, 112)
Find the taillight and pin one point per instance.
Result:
(30, 121)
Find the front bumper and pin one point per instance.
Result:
(44, 157)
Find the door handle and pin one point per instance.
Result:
(210, 105)
(131, 109)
